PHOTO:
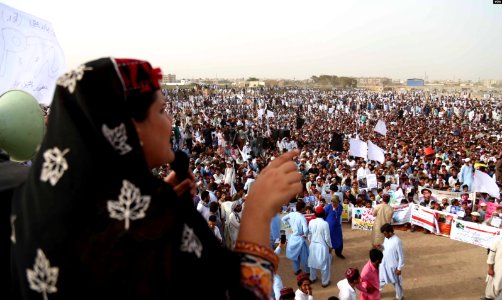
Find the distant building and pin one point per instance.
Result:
(169, 78)
(415, 82)
(372, 81)
(255, 83)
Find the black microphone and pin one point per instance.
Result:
(180, 166)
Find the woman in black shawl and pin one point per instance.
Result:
(92, 221)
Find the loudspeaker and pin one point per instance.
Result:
(22, 126)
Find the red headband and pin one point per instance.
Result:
(138, 75)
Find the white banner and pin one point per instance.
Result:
(402, 214)
(375, 153)
(423, 217)
(381, 128)
(358, 148)
(437, 195)
(362, 218)
(371, 181)
(472, 233)
(30, 56)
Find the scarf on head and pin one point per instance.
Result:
(91, 218)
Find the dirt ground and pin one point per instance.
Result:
(435, 267)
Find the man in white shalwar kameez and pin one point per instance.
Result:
(494, 277)
(320, 248)
(393, 261)
(297, 250)
(466, 173)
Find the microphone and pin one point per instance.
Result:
(180, 166)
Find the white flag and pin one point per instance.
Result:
(270, 114)
(483, 183)
(260, 113)
(358, 148)
(375, 153)
(244, 155)
(381, 128)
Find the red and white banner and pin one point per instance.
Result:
(423, 217)
(472, 233)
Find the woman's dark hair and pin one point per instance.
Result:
(137, 104)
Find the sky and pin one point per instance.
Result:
(292, 39)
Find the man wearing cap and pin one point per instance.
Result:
(426, 198)
(466, 173)
(287, 293)
(383, 214)
(348, 285)
(482, 211)
(320, 248)
(393, 261)
(304, 291)
(475, 217)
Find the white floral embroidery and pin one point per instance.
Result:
(54, 165)
(190, 242)
(117, 137)
(130, 206)
(69, 80)
(43, 278)
(13, 229)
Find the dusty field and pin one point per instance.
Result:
(436, 267)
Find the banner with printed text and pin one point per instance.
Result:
(423, 217)
(402, 214)
(31, 58)
(472, 233)
(362, 218)
(437, 195)
(345, 213)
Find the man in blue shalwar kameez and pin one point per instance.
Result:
(297, 249)
(333, 213)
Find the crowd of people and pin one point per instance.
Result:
(434, 140)
(251, 151)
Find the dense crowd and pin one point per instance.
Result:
(214, 126)
(433, 140)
